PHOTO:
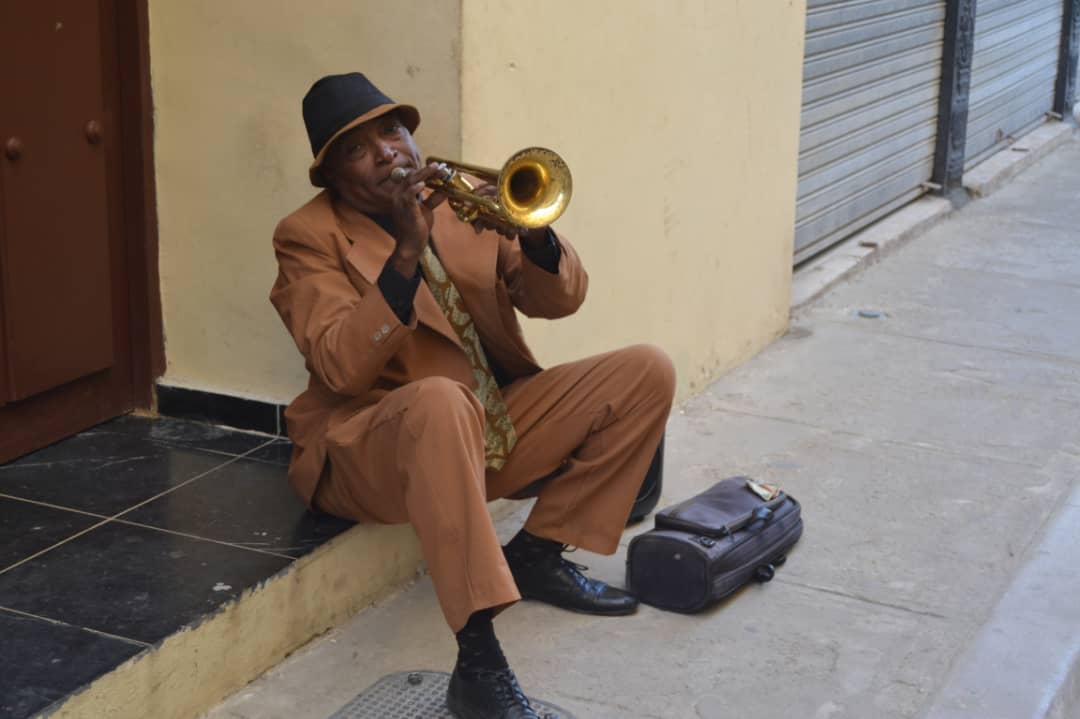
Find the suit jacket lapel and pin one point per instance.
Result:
(371, 247)
(429, 313)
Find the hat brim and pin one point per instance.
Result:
(410, 116)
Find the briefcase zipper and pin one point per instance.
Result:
(743, 573)
(725, 530)
(736, 546)
(784, 526)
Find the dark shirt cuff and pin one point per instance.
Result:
(398, 291)
(546, 256)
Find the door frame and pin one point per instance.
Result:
(131, 35)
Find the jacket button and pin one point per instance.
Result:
(385, 329)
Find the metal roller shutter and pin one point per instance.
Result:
(869, 113)
(1013, 71)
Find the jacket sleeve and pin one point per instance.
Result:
(537, 292)
(346, 333)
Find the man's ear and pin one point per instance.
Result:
(328, 170)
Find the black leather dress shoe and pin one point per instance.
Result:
(490, 695)
(552, 579)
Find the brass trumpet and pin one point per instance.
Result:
(533, 188)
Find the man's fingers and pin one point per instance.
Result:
(434, 200)
(505, 230)
(482, 223)
(424, 173)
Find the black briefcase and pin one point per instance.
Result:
(710, 545)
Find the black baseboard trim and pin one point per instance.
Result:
(238, 412)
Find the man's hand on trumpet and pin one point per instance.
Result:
(412, 213)
(532, 238)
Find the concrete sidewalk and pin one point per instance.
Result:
(929, 446)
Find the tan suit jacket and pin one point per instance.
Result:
(356, 348)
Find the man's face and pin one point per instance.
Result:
(358, 165)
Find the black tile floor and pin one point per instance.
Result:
(118, 537)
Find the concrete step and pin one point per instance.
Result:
(198, 666)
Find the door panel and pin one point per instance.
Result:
(65, 290)
(56, 261)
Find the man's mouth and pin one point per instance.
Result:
(390, 175)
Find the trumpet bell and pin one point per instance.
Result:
(534, 187)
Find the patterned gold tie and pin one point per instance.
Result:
(499, 435)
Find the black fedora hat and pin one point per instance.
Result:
(336, 104)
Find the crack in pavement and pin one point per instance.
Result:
(1043, 356)
(866, 600)
(900, 443)
(590, 701)
(1022, 279)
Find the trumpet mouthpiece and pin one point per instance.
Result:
(398, 174)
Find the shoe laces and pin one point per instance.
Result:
(551, 554)
(507, 690)
(574, 568)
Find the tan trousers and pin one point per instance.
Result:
(418, 456)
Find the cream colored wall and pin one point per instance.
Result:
(680, 122)
(231, 157)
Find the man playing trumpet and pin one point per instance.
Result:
(424, 402)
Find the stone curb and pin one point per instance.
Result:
(989, 176)
(1025, 661)
(863, 249)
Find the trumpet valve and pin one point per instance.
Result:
(446, 173)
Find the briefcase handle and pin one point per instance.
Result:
(753, 521)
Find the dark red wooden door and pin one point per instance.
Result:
(65, 345)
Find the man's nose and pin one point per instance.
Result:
(385, 151)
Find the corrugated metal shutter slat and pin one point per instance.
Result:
(868, 51)
(869, 118)
(839, 38)
(868, 73)
(865, 207)
(849, 189)
(855, 14)
(862, 138)
(1013, 72)
(847, 168)
(850, 125)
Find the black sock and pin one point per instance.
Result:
(478, 648)
(525, 547)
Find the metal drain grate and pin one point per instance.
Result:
(417, 695)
